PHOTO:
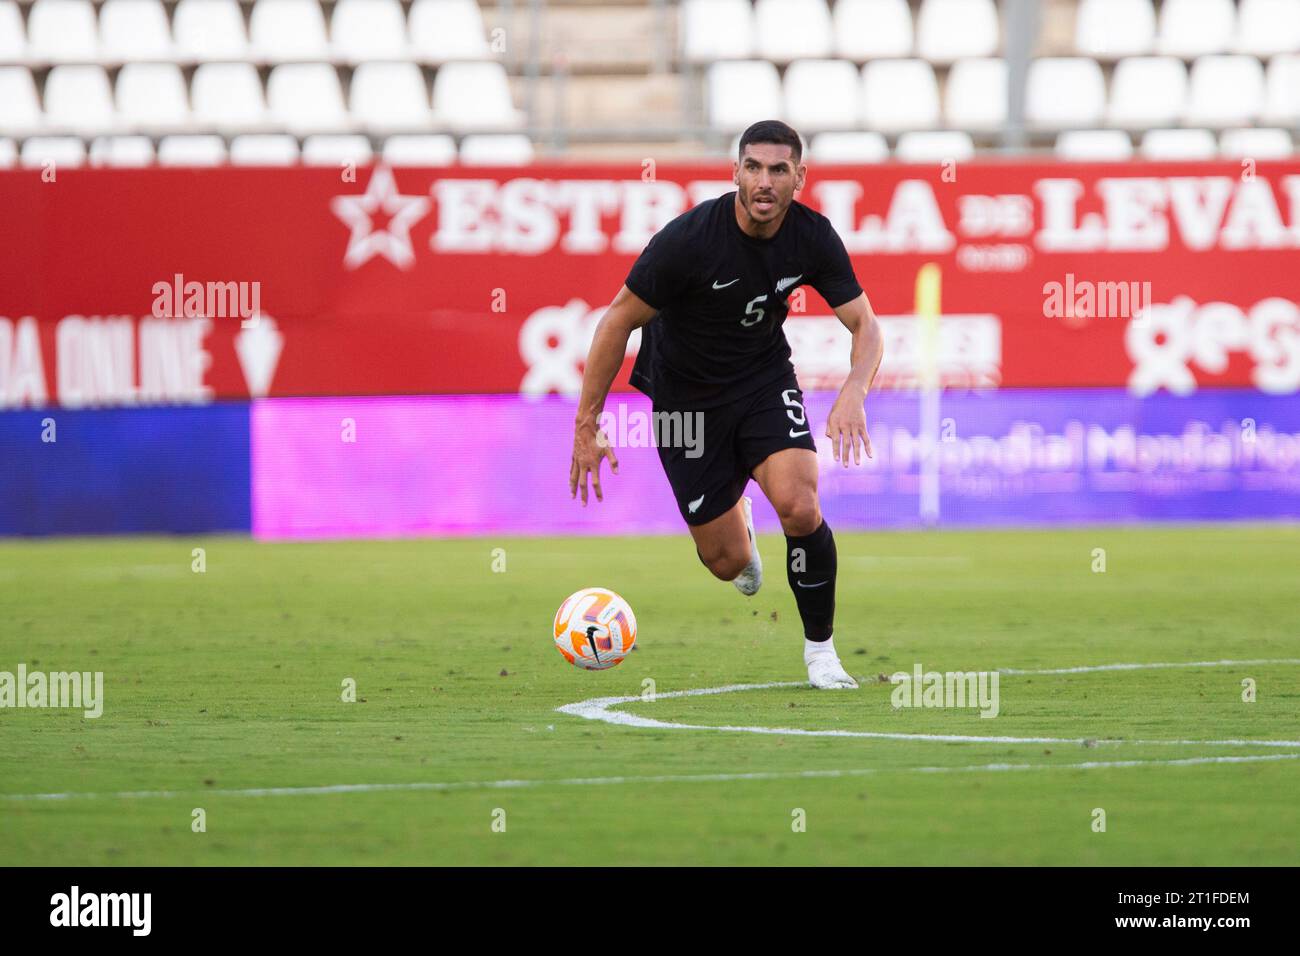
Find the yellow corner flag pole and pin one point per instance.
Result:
(929, 288)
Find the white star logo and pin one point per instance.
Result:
(358, 213)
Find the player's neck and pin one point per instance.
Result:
(757, 230)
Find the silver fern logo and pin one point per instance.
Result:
(787, 282)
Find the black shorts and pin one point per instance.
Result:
(709, 454)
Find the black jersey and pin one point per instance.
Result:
(722, 297)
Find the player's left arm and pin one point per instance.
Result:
(846, 426)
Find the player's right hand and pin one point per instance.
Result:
(590, 445)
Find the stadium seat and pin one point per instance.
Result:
(13, 38)
(1225, 91)
(788, 30)
(1109, 29)
(1094, 145)
(131, 30)
(20, 108)
(934, 146)
(474, 96)
(1163, 144)
(62, 151)
(717, 30)
(263, 149)
(430, 149)
(62, 31)
(362, 30)
(1147, 91)
(152, 96)
(390, 96)
(209, 30)
(306, 98)
(132, 151)
(78, 99)
(948, 30)
(8, 152)
(822, 94)
(228, 97)
(899, 95)
(442, 30)
(1266, 27)
(975, 95)
(866, 29)
(336, 150)
(1282, 97)
(1192, 28)
(1064, 92)
(191, 151)
(1256, 143)
(288, 30)
(741, 92)
(510, 149)
(848, 147)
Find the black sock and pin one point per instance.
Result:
(810, 567)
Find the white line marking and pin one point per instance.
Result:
(1098, 668)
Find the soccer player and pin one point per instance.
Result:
(711, 292)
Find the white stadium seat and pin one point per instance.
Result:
(390, 96)
(1109, 29)
(866, 29)
(1266, 27)
(1065, 92)
(717, 30)
(20, 108)
(62, 151)
(210, 30)
(1282, 98)
(336, 150)
(792, 29)
(13, 38)
(228, 97)
(152, 96)
(1094, 145)
(899, 95)
(485, 149)
(1225, 91)
(362, 30)
(1191, 28)
(822, 94)
(848, 147)
(1147, 91)
(1178, 144)
(306, 98)
(442, 30)
(934, 146)
(1256, 143)
(78, 99)
(132, 151)
(474, 96)
(132, 30)
(264, 149)
(975, 96)
(288, 30)
(742, 92)
(191, 151)
(948, 30)
(8, 152)
(429, 149)
(62, 31)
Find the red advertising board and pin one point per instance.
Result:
(181, 286)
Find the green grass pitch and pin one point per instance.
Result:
(231, 680)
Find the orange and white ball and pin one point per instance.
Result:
(594, 629)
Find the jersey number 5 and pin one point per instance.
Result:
(751, 310)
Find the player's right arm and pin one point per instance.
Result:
(604, 359)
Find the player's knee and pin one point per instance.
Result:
(800, 513)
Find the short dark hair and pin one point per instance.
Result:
(773, 131)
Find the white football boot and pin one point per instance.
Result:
(825, 672)
(751, 579)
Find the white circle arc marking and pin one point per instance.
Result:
(598, 708)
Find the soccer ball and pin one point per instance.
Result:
(594, 629)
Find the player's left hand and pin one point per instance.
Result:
(846, 427)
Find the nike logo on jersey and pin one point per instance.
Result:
(795, 434)
(817, 585)
(725, 284)
(694, 506)
(787, 282)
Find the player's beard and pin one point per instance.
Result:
(760, 213)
